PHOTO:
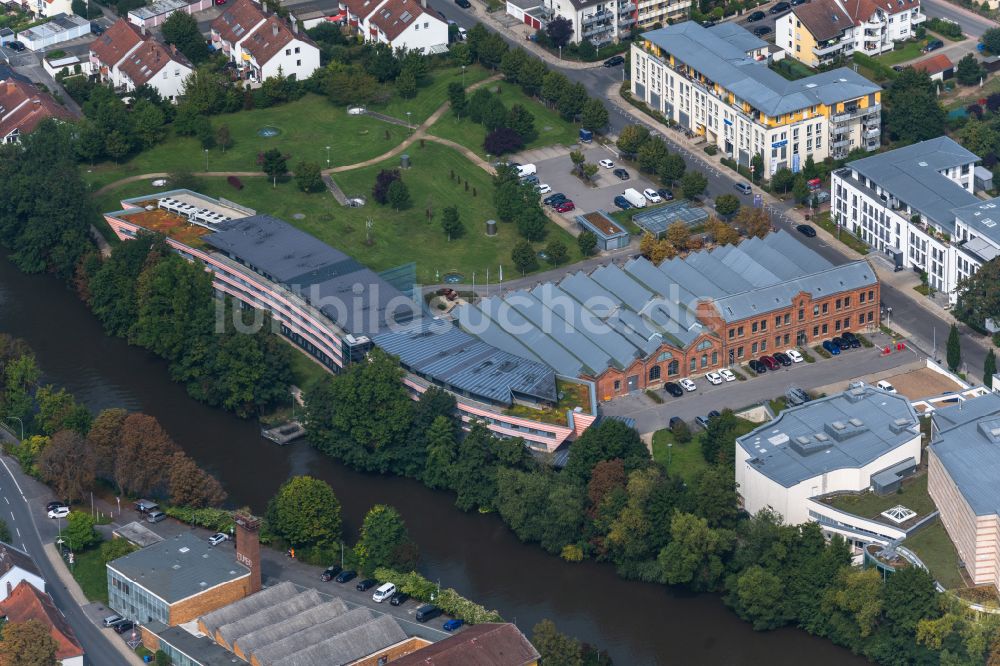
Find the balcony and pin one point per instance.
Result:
(851, 114)
(840, 144)
(626, 8)
(828, 49)
(626, 21)
(598, 29)
(918, 19)
(872, 132)
(599, 16)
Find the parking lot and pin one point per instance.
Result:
(767, 22)
(555, 172)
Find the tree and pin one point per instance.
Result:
(594, 115)
(979, 137)
(672, 169)
(385, 178)
(559, 31)
(969, 71)
(406, 85)
(204, 92)
(631, 138)
(587, 242)
(305, 512)
(456, 95)
(651, 154)
(555, 648)
(477, 104)
(161, 658)
(69, 465)
(80, 532)
(112, 550)
(726, 205)
(911, 109)
(143, 456)
(275, 164)
(58, 410)
(398, 195)
(521, 121)
(989, 368)
(553, 86)
(694, 556)
(556, 252)
(309, 176)
(693, 183)
(782, 179)
(381, 62)
(176, 307)
(979, 294)
(192, 486)
(181, 30)
(523, 256)
(991, 40)
(384, 541)
(757, 166)
(532, 223)
(512, 63)
(800, 190)
(678, 234)
(532, 75)
(503, 140)
(606, 440)
(451, 224)
(441, 451)
(104, 437)
(954, 349)
(492, 50)
(760, 596)
(753, 221)
(147, 123)
(223, 138)
(27, 644)
(722, 233)
(571, 101)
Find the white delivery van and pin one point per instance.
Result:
(526, 170)
(384, 591)
(634, 197)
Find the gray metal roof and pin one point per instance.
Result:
(157, 8)
(912, 175)
(350, 645)
(138, 534)
(352, 296)
(968, 445)
(983, 218)
(460, 362)
(265, 617)
(179, 567)
(291, 626)
(201, 649)
(274, 652)
(248, 606)
(720, 54)
(844, 431)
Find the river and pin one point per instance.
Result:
(637, 623)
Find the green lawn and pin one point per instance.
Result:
(399, 237)
(846, 237)
(305, 371)
(792, 69)
(685, 460)
(906, 51)
(932, 545)
(552, 129)
(914, 496)
(431, 95)
(92, 575)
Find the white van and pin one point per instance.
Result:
(526, 170)
(634, 197)
(385, 591)
(885, 386)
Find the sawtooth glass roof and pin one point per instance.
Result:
(968, 446)
(720, 54)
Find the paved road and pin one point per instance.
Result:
(23, 507)
(972, 24)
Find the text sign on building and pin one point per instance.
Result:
(244, 560)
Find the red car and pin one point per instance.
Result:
(771, 363)
(565, 207)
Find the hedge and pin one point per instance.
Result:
(449, 601)
(214, 519)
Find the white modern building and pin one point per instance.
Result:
(263, 45)
(716, 82)
(402, 24)
(62, 28)
(599, 21)
(916, 204)
(820, 31)
(127, 58)
(157, 12)
(854, 441)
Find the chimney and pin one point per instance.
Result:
(248, 547)
(274, 29)
(295, 25)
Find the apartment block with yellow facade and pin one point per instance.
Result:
(716, 82)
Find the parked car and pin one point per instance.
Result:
(218, 538)
(885, 386)
(782, 358)
(806, 230)
(753, 18)
(544, 188)
(452, 625)
(427, 612)
(831, 348)
(728, 375)
(464, 4)
(714, 378)
(531, 179)
(614, 61)
(622, 202)
(688, 385)
(399, 598)
(97, 29)
(16, 46)
(851, 338)
(933, 45)
(667, 195)
(702, 421)
(796, 396)
(780, 7)
(744, 188)
(366, 584)
(770, 362)
(347, 575)
(794, 355)
(607, 164)
(156, 516)
(122, 627)
(622, 174)
(59, 512)
(652, 196)
(796, 3)
(552, 199)
(713, 414)
(761, 30)
(841, 343)
(565, 206)
(674, 389)
(329, 573)
(757, 366)
(674, 420)
(384, 591)
(54, 505)
(112, 620)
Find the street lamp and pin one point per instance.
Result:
(328, 156)
(463, 76)
(560, 53)
(21, 422)
(206, 160)
(408, 123)
(670, 447)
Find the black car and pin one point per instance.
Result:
(851, 339)
(345, 576)
(399, 598)
(712, 414)
(666, 195)
(122, 627)
(621, 173)
(675, 420)
(554, 199)
(753, 18)
(441, 14)
(54, 505)
(757, 366)
(806, 230)
(796, 3)
(366, 584)
(780, 7)
(782, 358)
(329, 573)
(427, 612)
(933, 45)
(464, 4)
(761, 31)
(97, 29)
(614, 61)
(841, 344)
(16, 46)
(674, 389)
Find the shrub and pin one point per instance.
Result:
(654, 396)
(219, 520)
(502, 141)
(822, 352)
(807, 357)
(865, 342)
(711, 149)
(449, 601)
(235, 182)
(572, 553)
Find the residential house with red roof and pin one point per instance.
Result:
(820, 31)
(939, 67)
(27, 603)
(263, 45)
(127, 58)
(22, 108)
(399, 23)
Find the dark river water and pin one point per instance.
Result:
(637, 623)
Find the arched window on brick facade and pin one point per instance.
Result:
(654, 373)
(673, 368)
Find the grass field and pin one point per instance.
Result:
(305, 371)
(685, 460)
(846, 237)
(399, 237)
(932, 545)
(907, 51)
(431, 95)
(868, 505)
(551, 129)
(90, 572)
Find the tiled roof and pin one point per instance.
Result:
(934, 64)
(361, 8)
(823, 18)
(488, 644)
(395, 16)
(118, 40)
(26, 603)
(11, 557)
(23, 107)
(267, 41)
(238, 20)
(862, 10)
(146, 61)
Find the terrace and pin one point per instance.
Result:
(571, 395)
(171, 225)
(912, 494)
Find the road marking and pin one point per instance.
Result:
(12, 516)
(6, 500)
(16, 484)
(18, 532)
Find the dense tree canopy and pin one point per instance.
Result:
(305, 512)
(912, 112)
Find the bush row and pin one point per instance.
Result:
(449, 601)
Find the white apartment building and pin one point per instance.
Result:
(916, 204)
(127, 58)
(600, 21)
(404, 24)
(716, 82)
(820, 31)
